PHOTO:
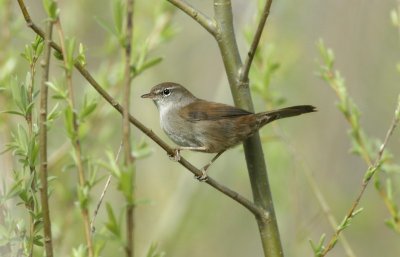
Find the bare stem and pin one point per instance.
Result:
(43, 140)
(75, 140)
(129, 160)
(244, 74)
(256, 210)
(201, 18)
(367, 178)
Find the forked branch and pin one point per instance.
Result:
(201, 18)
(256, 210)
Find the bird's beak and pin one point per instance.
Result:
(148, 95)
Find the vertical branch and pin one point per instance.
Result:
(128, 158)
(32, 167)
(43, 141)
(75, 138)
(256, 166)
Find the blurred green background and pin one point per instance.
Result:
(187, 218)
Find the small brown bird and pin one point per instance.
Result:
(198, 125)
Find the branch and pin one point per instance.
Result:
(202, 19)
(128, 160)
(75, 141)
(256, 210)
(244, 73)
(44, 196)
(256, 166)
(367, 178)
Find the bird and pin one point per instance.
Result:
(204, 126)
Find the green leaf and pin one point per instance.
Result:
(318, 248)
(38, 45)
(83, 196)
(70, 51)
(69, 122)
(59, 93)
(79, 251)
(53, 114)
(125, 183)
(154, 252)
(112, 224)
(51, 9)
(27, 54)
(88, 107)
(81, 58)
(118, 11)
(14, 112)
(106, 27)
(38, 240)
(146, 65)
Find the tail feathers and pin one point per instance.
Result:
(267, 117)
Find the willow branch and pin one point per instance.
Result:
(244, 73)
(75, 140)
(367, 178)
(201, 18)
(256, 210)
(44, 196)
(128, 161)
(29, 118)
(256, 166)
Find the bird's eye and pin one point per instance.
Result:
(166, 92)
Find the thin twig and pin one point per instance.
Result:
(103, 193)
(126, 135)
(43, 140)
(75, 139)
(364, 152)
(244, 73)
(257, 211)
(201, 18)
(367, 178)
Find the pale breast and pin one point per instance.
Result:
(178, 130)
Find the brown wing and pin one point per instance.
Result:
(203, 110)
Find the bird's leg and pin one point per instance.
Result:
(176, 156)
(203, 170)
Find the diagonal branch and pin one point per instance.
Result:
(372, 169)
(201, 18)
(256, 210)
(244, 73)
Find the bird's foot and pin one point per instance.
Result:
(203, 177)
(176, 156)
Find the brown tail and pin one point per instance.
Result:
(267, 117)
